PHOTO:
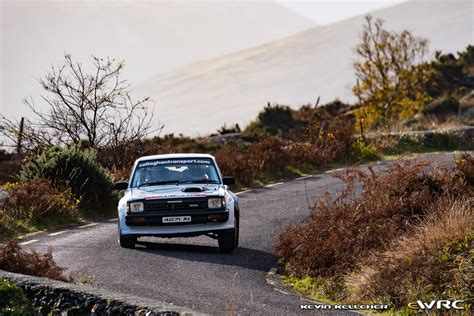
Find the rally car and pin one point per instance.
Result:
(178, 195)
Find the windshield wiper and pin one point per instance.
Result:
(196, 181)
(156, 183)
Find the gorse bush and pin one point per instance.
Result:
(36, 200)
(365, 151)
(448, 70)
(442, 107)
(275, 119)
(73, 167)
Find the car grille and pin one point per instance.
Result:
(176, 204)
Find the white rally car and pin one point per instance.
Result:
(178, 195)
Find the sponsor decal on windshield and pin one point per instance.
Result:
(174, 162)
(153, 197)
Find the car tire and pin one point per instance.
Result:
(126, 241)
(228, 240)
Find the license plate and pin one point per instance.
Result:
(177, 219)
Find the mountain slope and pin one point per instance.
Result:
(152, 36)
(294, 70)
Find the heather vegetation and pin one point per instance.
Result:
(409, 225)
(15, 259)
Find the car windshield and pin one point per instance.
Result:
(174, 171)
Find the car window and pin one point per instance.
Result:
(166, 171)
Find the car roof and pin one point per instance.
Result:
(171, 156)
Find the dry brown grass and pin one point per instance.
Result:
(434, 258)
(272, 155)
(465, 167)
(315, 145)
(17, 260)
(394, 236)
(373, 209)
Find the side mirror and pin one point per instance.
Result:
(122, 185)
(228, 180)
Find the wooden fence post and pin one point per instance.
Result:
(20, 135)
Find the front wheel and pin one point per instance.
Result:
(126, 241)
(228, 240)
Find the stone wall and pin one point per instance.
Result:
(60, 298)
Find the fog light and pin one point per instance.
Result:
(213, 217)
(138, 220)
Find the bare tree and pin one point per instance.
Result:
(94, 106)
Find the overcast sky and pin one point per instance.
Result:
(329, 11)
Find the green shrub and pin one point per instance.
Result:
(323, 113)
(12, 299)
(442, 107)
(275, 120)
(447, 140)
(72, 167)
(255, 129)
(229, 130)
(448, 70)
(363, 151)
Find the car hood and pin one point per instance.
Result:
(176, 191)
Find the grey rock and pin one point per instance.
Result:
(3, 197)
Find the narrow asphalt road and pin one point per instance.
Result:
(191, 272)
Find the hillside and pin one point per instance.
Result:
(294, 70)
(152, 36)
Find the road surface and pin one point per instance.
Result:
(191, 272)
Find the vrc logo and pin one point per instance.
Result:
(439, 304)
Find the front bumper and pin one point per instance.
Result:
(156, 219)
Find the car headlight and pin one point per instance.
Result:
(215, 203)
(135, 207)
